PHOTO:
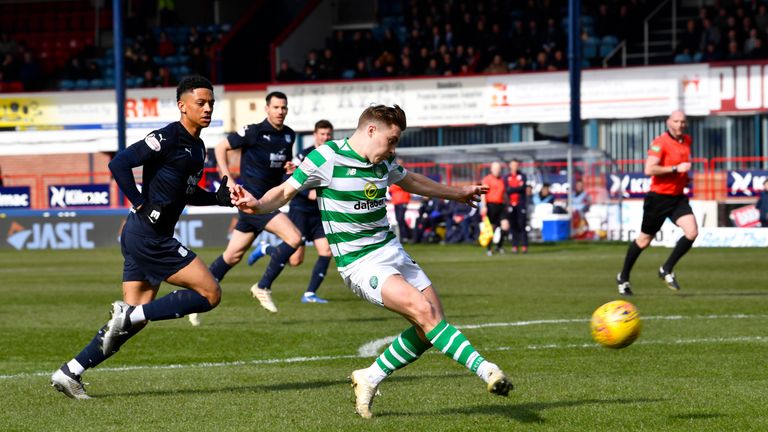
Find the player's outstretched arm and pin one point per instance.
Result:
(221, 151)
(275, 198)
(422, 185)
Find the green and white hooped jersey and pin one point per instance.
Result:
(351, 197)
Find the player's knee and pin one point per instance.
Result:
(213, 295)
(642, 242)
(232, 258)
(425, 313)
(692, 233)
(293, 239)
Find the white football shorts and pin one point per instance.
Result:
(366, 276)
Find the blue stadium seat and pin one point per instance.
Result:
(158, 60)
(348, 74)
(66, 84)
(607, 44)
(109, 83)
(96, 84)
(109, 72)
(225, 28)
(589, 47)
(683, 58)
(698, 57)
(82, 84)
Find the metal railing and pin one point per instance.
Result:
(646, 27)
(622, 48)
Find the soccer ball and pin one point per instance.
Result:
(616, 324)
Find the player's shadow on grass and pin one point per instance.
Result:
(246, 388)
(523, 412)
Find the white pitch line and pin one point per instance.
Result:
(389, 339)
(372, 348)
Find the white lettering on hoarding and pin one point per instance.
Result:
(62, 235)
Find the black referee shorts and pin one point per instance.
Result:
(657, 208)
(495, 213)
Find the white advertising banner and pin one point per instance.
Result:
(426, 101)
(82, 122)
(72, 122)
(605, 93)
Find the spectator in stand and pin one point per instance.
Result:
(310, 74)
(711, 53)
(327, 68)
(92, 71)
(198, 63)
(734, 53)
(312, 60)
(761, 19)
(497, 66)
(749, 44)
(164, 77)
(8, 45)
(165, 47)
(542, 62)
(759, 51)
(447, 65)
(521, 65)
(361, 69)
(691, 38)
(150, 80)
(580, 201)
(30, 72)
(710, 34)
(559, 61)
(544, 196)
(287, 73)
(405, 68)
(762, 205)
(605, 22)
(74, 69)
(462, 225)
(432, 68)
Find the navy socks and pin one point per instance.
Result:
(219, 268)
(280, 256)
(318, 273)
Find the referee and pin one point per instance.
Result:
(668, 164)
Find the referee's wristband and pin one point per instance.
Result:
(674, 169)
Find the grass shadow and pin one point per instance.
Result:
(528, 413)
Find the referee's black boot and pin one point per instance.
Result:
(669, 279)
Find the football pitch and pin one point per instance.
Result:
(699, 364)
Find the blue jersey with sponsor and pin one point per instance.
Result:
(265, 150)
(173, 165)
(301, 201)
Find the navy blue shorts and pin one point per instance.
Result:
(254, 223)
(309, 224)
(152, 259)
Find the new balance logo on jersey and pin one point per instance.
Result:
(366, 205)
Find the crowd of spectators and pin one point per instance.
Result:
(19, 70)
(153, 58)
(459, 38)
(730, 30)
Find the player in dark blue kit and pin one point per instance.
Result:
(306, 216)
(173, 159)
(267, 150)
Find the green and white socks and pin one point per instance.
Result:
(405, 349)
(452, 342)
(408, 347)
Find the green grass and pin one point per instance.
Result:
(703, 371)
